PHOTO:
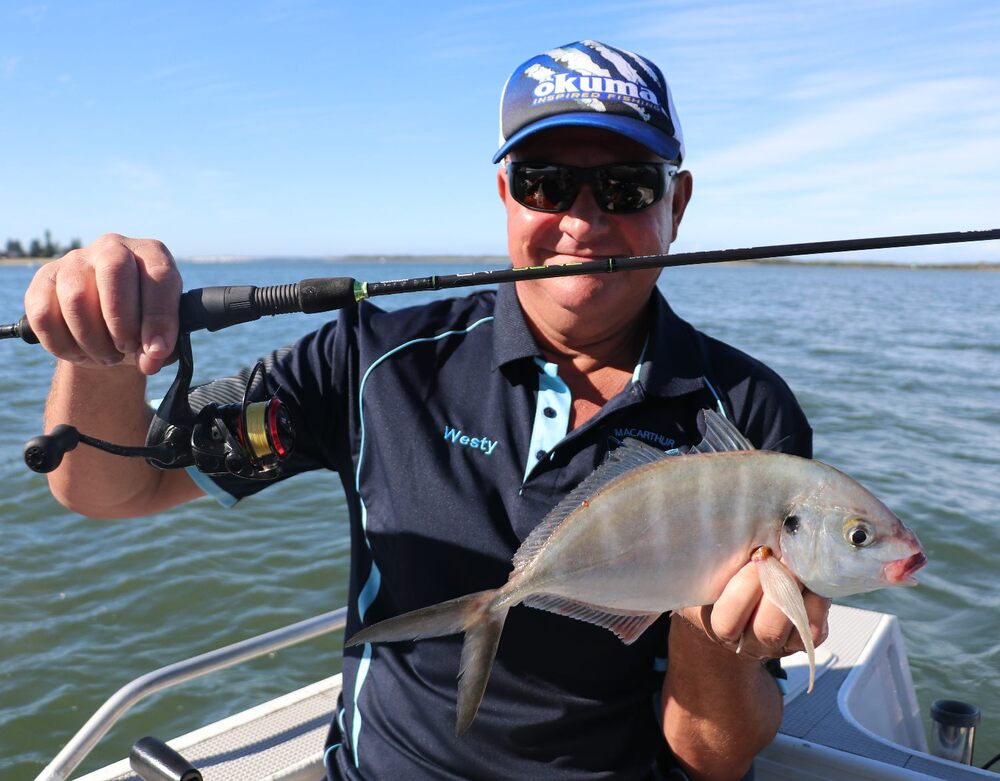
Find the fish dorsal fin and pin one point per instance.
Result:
(721, 436)
(627, 625)
(631, 454)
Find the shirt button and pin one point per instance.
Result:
(540, 455)
(549, 412)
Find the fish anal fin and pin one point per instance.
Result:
(782, 589)
(627, 625)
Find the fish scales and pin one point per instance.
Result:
(647, 542)
(650, 532)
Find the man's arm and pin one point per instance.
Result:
(109, 314)
(109, 403)
(719, 709)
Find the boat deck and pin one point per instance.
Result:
(282, 740)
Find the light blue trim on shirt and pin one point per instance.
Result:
(210, 487)
(371, 588)
(718, 401)
(547, 432)
(326, 754)
(642, 358)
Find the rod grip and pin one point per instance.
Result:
(214, 308)
(325, 294)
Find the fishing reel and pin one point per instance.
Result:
(245, 438)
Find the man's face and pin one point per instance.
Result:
(584, 232)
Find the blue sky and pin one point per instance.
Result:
(320, 128)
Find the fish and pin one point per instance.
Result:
(650, 532)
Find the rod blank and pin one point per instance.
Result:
(220, 307)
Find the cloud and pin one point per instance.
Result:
(10, 64)
(926, 118)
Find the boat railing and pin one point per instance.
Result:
(83, 742)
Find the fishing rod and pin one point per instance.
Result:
(231, 431)
(214, 308)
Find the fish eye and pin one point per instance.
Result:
(858, 533)
(791, 524)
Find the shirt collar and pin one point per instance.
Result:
(512, 339)
(672, 364)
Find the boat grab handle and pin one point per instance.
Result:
(83, 742)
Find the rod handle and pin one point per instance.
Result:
(214, 308)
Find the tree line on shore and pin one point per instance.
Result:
(37, 248)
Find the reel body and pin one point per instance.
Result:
(246, 440)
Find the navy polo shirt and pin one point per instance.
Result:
(449, 432)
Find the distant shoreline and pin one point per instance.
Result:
(378, 260)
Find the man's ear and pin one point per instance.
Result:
(683, 187)
(502, 183)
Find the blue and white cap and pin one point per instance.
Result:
(590, 84)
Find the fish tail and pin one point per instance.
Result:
(780, 587)
(478, 652)
(444, 618)
(473, 614)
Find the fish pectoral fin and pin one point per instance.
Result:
(783, 590)
(627, 625)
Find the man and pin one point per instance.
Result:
(457, 425)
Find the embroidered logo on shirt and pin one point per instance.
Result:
(456, 437)
(646, 436)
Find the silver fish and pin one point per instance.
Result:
(650, 532)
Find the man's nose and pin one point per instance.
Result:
(584, 217)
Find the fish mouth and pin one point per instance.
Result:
(900, 573)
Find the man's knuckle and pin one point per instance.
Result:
(108, 239)
(771, 638)
(75, 298)
(157, 246)
(41, 312)
(727, 634)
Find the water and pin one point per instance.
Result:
(898, 370)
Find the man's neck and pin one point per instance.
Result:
(596, 363)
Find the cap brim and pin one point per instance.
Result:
(656, 141)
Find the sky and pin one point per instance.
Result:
(300, 127)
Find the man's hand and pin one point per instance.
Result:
(719, 708)
(111, 302)
(742, 613)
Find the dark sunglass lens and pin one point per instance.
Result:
(629, 188)
(544, 187)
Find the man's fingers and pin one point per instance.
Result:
(817, 609)
(160, 290)
(733, 610)
(41, 306)
(771, 630)
(78, 299)
(117, 281)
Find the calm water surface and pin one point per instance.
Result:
(899, 372)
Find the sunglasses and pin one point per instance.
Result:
(619, 188)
